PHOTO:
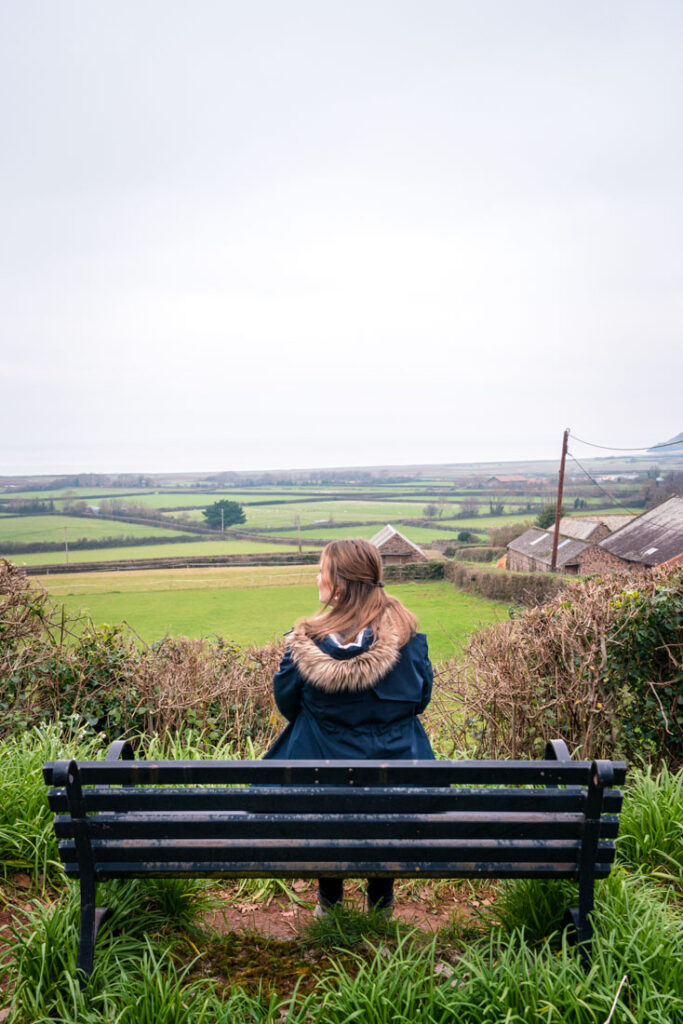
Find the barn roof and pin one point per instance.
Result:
(538, 544)
(387, 532)
(583, 527)
(652, 538)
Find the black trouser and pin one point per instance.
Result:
(380, 891)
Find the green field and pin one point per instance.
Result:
(75, 493)
(344, 510)
(350, 502)
(250, 607)
(31, 529)
(418, 534)
(146, 551)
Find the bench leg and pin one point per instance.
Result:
(92, 918)
(578, 918)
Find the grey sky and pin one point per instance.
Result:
(278, 234)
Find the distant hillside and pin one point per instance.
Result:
(673, 446)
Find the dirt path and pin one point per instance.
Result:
(279, 918)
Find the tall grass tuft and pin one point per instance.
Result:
(27, 842)
(348, 927)
(537, 906)
(651, 826)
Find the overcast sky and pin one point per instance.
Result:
(258, 234)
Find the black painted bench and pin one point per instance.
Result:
(122, 818)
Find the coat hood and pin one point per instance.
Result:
(350, 674)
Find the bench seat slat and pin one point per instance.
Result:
(458, 825)
(358, 773)
(348, 869)
(323, 849)
(332, 799)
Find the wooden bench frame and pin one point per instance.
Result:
(125, 818)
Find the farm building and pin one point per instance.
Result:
(507, 481)
(653, 538)
(396, 549)
(642, 542)
(532, 552)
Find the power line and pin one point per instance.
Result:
(615, 501)
(644, 448)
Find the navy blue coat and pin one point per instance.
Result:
(337, 710)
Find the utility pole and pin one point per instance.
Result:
(297, 520)
(66, 546)
(558, 507)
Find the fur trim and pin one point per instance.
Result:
(350, 674)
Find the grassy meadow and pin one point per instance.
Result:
(51, 528)
(252, 606)
(144, 551)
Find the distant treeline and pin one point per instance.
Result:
(27, 507)
(92, 543)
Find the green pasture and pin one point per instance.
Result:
(75, 493)
(258, 611)
(145, 551)
(31, 529)
(421, 535)
(418, 534)
(345, 510)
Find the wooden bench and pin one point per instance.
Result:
(125, 818)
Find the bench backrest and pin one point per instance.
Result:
(351, 818)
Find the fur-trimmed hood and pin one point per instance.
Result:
(333, 675)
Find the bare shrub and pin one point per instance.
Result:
(210, 684)
(106, 679)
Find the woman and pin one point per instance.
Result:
(353, 681)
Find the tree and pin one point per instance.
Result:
(430, 510)
(546, 517)
(223, 513)
(469, 507)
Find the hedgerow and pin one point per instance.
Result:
(104, 679)
(600, 665)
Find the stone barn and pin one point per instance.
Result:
(396, 549)
(532, 552)
(651, 539)
(640, 543)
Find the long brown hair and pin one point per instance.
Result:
(353, 569)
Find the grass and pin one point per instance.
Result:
(158, 962)
(343, 510)
(421, 535)
(191, 549)
(33, 529)
(257, 614)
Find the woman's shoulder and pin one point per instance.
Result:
(417, 642)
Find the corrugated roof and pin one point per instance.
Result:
(652, 538)
(583, 527)
(387, 532)
(580, 529)
(538, 544)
